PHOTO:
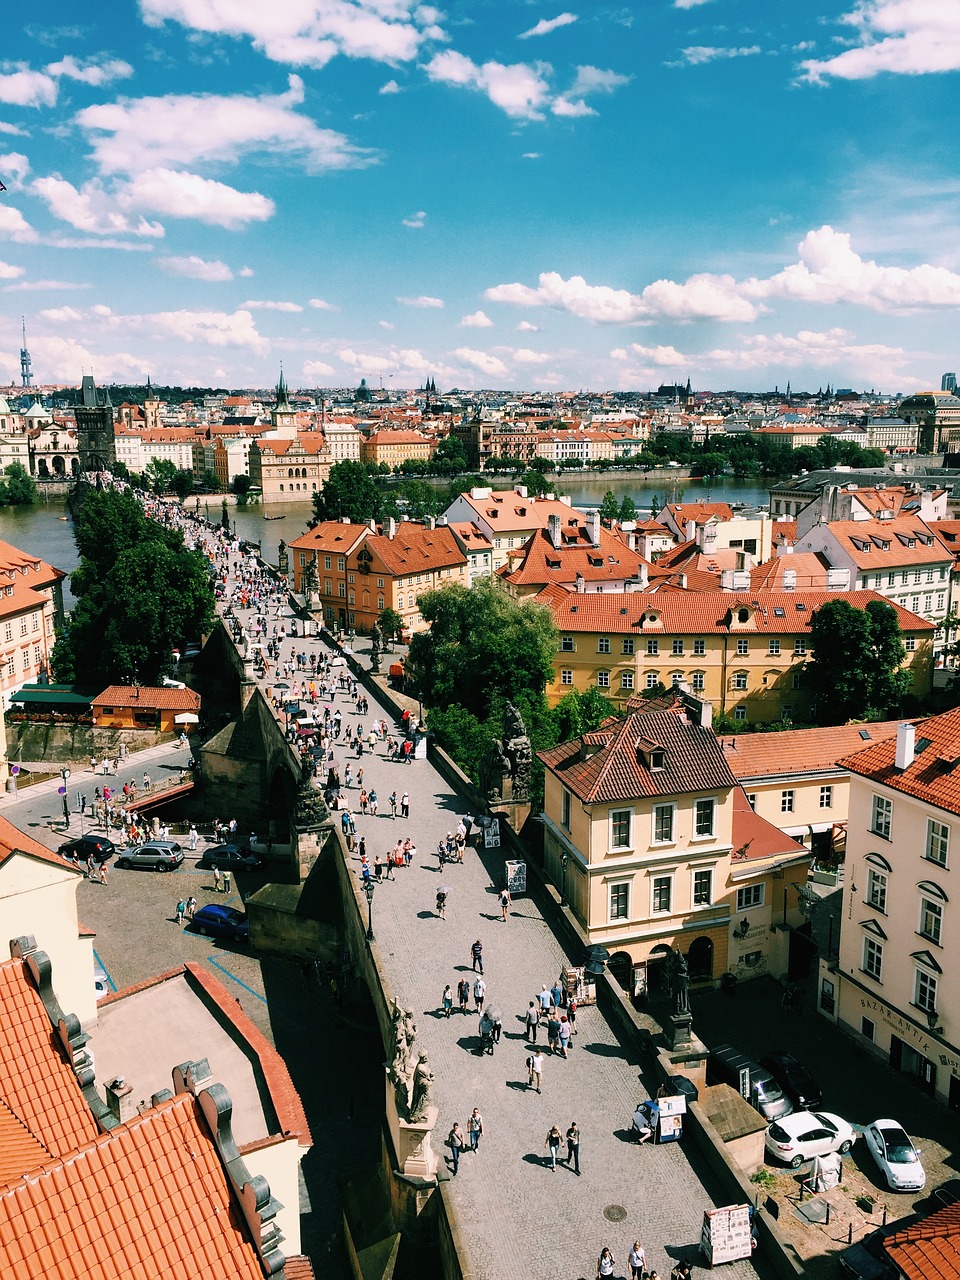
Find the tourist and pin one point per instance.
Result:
(446, 1001)
(192, 838)
(638, 1261)
(505, 904)
(455, 1143)
(476, 952)
(535, 1068)
(181, 908)
(552, 1145)
(532, 1020)
(463, 993)
(475, 1129)
(441, 903)
(564, 1036)
(573, 1147)
(479, 992)
(605, 1263)
(405, 805)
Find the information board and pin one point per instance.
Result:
(491, 835)
(515, 874)
(725, 1236)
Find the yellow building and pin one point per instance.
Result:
(653, 845)
(391, 447)
(892, 986)
(286, 470)
(742, 652)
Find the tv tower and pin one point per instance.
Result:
(26, 368)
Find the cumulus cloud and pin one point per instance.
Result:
(477, 320)
(523, 355)
(62, 315)
(546, 25)
(901, 37)
(194, 268)
(61, 357)
(521, 90)
(311, 32)
(662, 357)
(696, 55)
(416, 219)
(526, 326)
(313, 369)
(390, 87)
(179, 194)
(14, 166)
(13, 225)
(133, 136)
(700, 297)
(92, 71)
(24, 87)
(9, 272)
(483, 361)
(90, 208)
(211, 328)
(320, 304)
(385, 324)
(423, 301)
(272, 306)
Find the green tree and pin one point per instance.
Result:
(628, 508)
(609, 507)
(536, 482)
(854, 673)
(183, 484)
(450, 456)
(391, 624)
(160, 474)
(710, 464)
(578, 713)
(18, 490)
(890, 683)
(241, 487)
(210, 481)
(349, 491)
(120, 470)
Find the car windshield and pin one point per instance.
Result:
(827, 1124)
(235, 917)
(768, 1089)
(899, 1147)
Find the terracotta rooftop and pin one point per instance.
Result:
(541, 561)
(164, 699)
(930, 1249)
(13, 840)
(880, 544)
(698, 512)
(754, 838)
(933, 777)
(797, 751)
(335, 536)
(414, 548)
(809, 569)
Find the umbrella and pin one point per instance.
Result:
(281, 685)
(442, 888)
(186, 717)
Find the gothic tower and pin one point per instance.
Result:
(96, 444)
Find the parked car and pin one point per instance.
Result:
(867, 1259)
(81, 849)
(230, 857)
(156, 855)
(727, 1065)
(794, 1079)
(221, 922)
(896, 1156)
(805, 1134)
(101, 983)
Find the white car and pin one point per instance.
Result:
(805, 1134)
(898, 1159)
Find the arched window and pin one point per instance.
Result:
(290, 473)
(700, 959)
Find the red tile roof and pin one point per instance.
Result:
(934, 775)
(881, 544)
(147, 697)
(808, 567)
(335, 536)
(542, 562)
(797, 751)
(930, 1249)
(755, 838)
(699, 512)
(12, 840)
(415, 548)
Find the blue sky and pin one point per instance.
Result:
(494, 193)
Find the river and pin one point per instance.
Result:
(44, 531)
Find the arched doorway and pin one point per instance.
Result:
(59, 467)
(700, 959)
(658, 973)
(620, 966)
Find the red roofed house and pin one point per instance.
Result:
(894, 988)
(584, 556)
(651, 841)
(134, 706)
(31, 603)
(509, 516)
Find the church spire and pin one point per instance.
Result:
(283, 399)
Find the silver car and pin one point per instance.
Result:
(155, 855)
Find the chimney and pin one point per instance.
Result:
(391, 528)
(372, 525)
(120, 1100)
(580, 583)
(594, 528)
(683, 581)
(429, 522)
(690, 530)
(520, 489)
(906, 737)
(553, 531)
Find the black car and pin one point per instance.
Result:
(868, 1260)
(81, 849)
(230, 857)
(794, 1079)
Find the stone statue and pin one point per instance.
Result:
(376, 639)
(518, 751)
(309, 810)
(422, 1084)
(681, 984)
(309, 581)
(494, 767)
(403, 1067)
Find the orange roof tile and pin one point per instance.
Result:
(330, 535)
(933, 776)
(542, 562)
(163, 699)
(930, 1248)
(415, 547)
(13, 840)
(755, 838)
(796, 751)
(808, 567)
(879, 544)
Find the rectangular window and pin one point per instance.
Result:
(739, 713)
(699, 648)
(653, 647)
(677, 648)
(380, 602)
(653, 679)
(926, 991)
(8, 631)
(565, 809)
(566, 644)
(868, 1028)
(752, 800)
(327, 562)
(603, 679)
(11, 665)
(877, 889)
(566, 676)
(341, 563)
(800, 647)
(938, 841)
(891, 579)
(740, 680)
(826, 797)
(620, 822)
(773, 648)
(882, 817)
(603, 644)
(786, 801)
(750, 896)
(931, 920)
(626, 647)
(37, 655)
(663, 823)
(743, 645)
(23, 626)
(352, 578)
(702, 888)
(619, 901)
(379, 584)
(662, 892)
(342, 589)
(704, 812)
(626, 679)
(697, 681)
(910, 644)
(873, 958)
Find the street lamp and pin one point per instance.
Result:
(65, 774)
(564, 859)
(368, 889)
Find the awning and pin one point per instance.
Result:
(186, 717)
(807, 829)
(50, 695)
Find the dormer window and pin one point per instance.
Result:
(658, 760)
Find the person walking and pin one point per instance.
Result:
(476, 951)
(191, 906)
(475, 1129)
(389, 861)
(181, 908)
(535, 1068)
(504, 903)
(564, 1036)
(216, 879)
(446, 1000)
(552, 1145)
(479, 993)
(637, 1259)
(532, 1021)
(545, 1000)
(455, 1143)
(441, 903)
(605, 1263)
(192, 839)
(405, 805)
(467, 828)
(573, 1148)
(553, 1031)
(372, 802)
(393, 805)
(377, 868)
(463, 994)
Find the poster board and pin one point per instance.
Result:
(725, 1236)
(579, 985)
(491, 835)
(672, 1111)
(515, 874)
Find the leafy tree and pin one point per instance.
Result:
(854, 673)
(241, 487)
(890, 683)
(450, 456)
(183, 484)
(349, 491)
(160, 474)
(578, 713)
(609, 507)
(120, 470)
(710, 464)
(18, 490)
(391, 624)
(539, 464)
(628, 508)
(536, 482)
(210, 481)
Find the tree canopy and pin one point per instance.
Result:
(18, 490)
(351, 491)
(855, 670)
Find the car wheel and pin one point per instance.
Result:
(123, 864)
(796, 1162)
(844, 1147)
(201, 930)
(161, 866)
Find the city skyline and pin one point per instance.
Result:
(502, 195)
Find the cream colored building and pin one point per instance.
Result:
(509, 516)
(651, 842)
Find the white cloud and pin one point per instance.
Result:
(12, 129)
(306, 33)
(385, 324)
(91, 70)
(525, 326)
(662, 357)
(313, 369)
(187, 195)
(701, 297)
(531, 155)
(596, 80)
(819, 350)
(829, 271)
(523, 355)
(563, 107)
(475, 321)
(44, 286)
(696, 55)
(62, 315)
(211, 328)
(521, 90)
(902, 37)
(688, 4)
(9, 272)
(416, 220)
(23, 87)
(483, 361)
(423, 301)
(14, 167)
(319, 304)
(62, 359)
(194, 268)
(13, 225)
(246, 272)
(390, 87)
(133, 136)
(91, 208)
(292, 307)
(546, 25)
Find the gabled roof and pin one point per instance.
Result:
(934, 775)
(335, 536)
(810, 570)
(147, 698)
(881, 544)
(799, 751)
(755, 839)
(614, 762)
(415, 548)
(930, 1248)
(12, 841)
(698, 512)
(542, 562)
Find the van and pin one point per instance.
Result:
(727, 1065)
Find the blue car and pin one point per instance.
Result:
(222, 922)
